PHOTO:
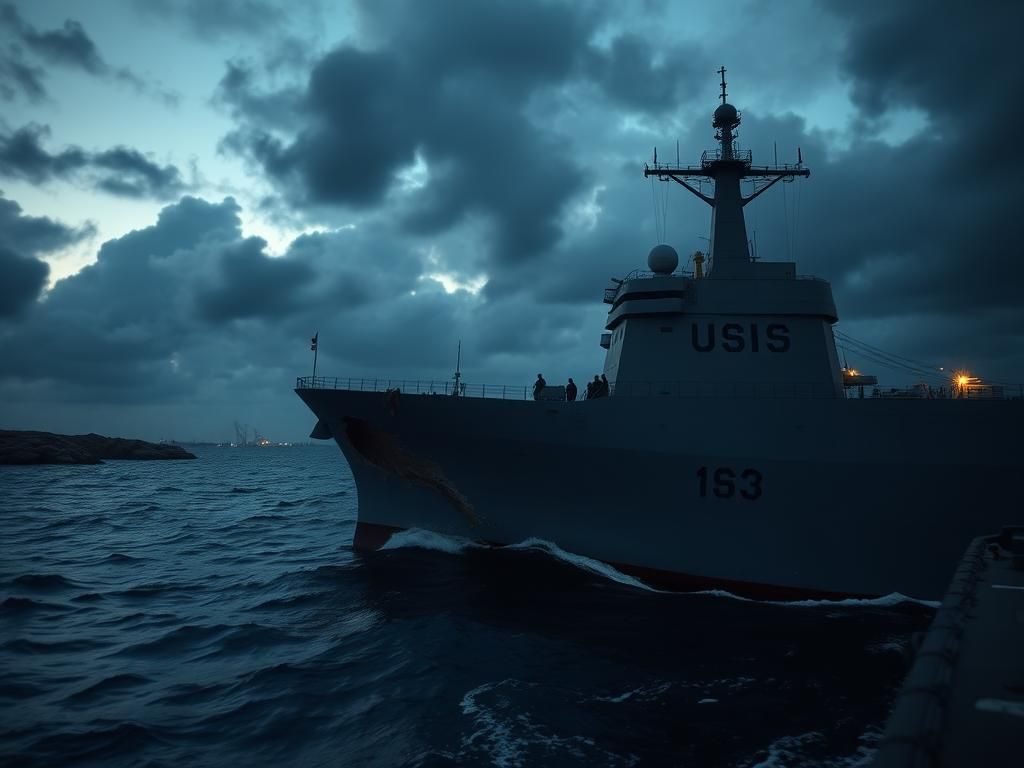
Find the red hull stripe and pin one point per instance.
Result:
(371, 536)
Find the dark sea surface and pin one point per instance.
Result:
(212, 612)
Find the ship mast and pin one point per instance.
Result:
(727, 167)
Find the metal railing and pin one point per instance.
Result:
(714, 155)
(927, 392)
(417, 387)
(657, 389)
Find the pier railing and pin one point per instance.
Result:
(647, 389)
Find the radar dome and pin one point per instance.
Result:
(663, 259)
(726, 114)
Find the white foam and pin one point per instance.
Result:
(582, 562)
(506, 749)
(787, 750)
(508, 735)
(644, 693)
(708, 701)
(454, 545)
(885, 601)
(790, 751)
(416, 538)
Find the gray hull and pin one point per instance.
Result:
(783, 497)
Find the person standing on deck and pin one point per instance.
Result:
(570, 390)
(538, 386)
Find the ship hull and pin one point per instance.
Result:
(784, 498)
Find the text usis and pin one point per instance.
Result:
(734, 337)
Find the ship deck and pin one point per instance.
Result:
(680, 389)
(963, 701)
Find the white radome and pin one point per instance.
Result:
(663, 259)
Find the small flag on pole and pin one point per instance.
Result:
(312, 342)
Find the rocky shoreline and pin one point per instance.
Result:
(17, 447)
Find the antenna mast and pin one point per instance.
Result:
(458, 370)
(727, 167)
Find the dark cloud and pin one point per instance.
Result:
(69, 46)
(449, 86)
(631, 76)
(36, 234)
(22, 238)
(171, 310)
(923, 225)
(137, 176)
(22, 156)
(238, 89)
(120, 171)
(453, 88)
(505, 141)
(18, 77)
(251, 284)
(120, 321)
(22, 279)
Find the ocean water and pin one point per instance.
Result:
(213, 612)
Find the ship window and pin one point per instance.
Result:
(666, 329)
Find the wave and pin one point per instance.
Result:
(118, 557)
(88, 597)
(98, 744)
(239, 489)
(292, 601)
(454, 545)
(43, 581)
(34, 647)
(113, 684)
(885, 601)
(19, 692)
(191, 694)
(584, 563)
(14, 606)
(508, 736)
(416, 538)
(892, 600)
(180, 640)
(250, 637)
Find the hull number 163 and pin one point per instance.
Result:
(725, 482)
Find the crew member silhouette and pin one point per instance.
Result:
(538, 386)
(570, 390)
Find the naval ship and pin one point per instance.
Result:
(726, 454)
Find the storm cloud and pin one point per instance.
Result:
(421, 173)
(120, 171)
(442, 92)
(68, 46)
(23, 239)
(20, 78)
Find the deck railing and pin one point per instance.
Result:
(679, 389)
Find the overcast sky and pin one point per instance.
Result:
(191, 189)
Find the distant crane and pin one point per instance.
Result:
(241, 434)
